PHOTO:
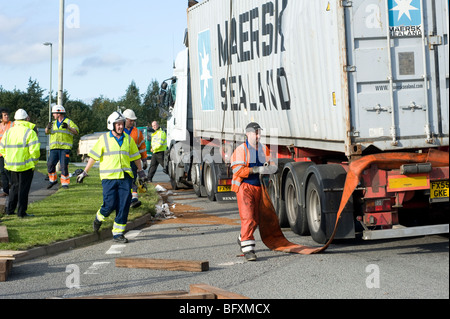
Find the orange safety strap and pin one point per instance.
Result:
(270, 230)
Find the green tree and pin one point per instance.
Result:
(151, 103)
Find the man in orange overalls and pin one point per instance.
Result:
(248, 162)
(138, 137)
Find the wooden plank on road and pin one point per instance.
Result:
(220, 293)
(163, 264)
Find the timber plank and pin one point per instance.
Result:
(163, 264)
(5, 268)
(12, 254)
(176, 294)
(4, 235)
(218, 292)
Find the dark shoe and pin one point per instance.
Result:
(97, 225)
(26, 215)
(51, 184)
(135, 203)
(120, 239)
(250, 256)
(65, 187)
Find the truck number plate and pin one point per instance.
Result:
(439, 189)
(221, 189)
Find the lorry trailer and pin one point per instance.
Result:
(330, 83)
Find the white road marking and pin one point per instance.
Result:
(95, 266)
(115, 249)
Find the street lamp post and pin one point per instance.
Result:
(49, 95)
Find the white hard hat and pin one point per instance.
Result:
(58, 109)
(21, 114)
(129, 114)
(115, 117)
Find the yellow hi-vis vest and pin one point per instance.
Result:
(62, 138)
(20, 147)
(159, 141)
(114, 159)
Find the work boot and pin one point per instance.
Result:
(97, 225)
(135, 203)
(250, 256)
(120, 239)
(51, 184)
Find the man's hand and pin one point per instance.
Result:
(49, 125)
(142, 176)
(64, 125)
(81, 177)
(144, 164)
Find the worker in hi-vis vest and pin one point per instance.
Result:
(61, 133)
(115, 150)
(248, 161)
(21, 150)
(159, 146)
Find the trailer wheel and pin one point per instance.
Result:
(295, 214)
(209, 180)
(172, 176)
(315, 216)
(195, 178)
(277, 202)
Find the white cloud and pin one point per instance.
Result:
(111, 61)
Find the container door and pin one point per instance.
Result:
(398, 72)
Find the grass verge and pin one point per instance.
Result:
(66, 214)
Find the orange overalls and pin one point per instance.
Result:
(139, 138)
(248, 190)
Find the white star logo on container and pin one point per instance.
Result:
(404, 7)
(206, 75)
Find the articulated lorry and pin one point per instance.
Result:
(332, 84)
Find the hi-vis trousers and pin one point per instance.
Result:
(248, 199)
(116, 197)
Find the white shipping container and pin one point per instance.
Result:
(331, 75)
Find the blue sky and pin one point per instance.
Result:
(108, 43)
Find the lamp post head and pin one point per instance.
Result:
(47, 43)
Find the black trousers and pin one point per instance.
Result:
(157, 158)
(18, 192)
(5, 175)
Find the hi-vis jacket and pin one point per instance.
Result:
(20, 147)
(62, 138)
(159, 141)
(240, 161)
(115, 159)
(138, 137)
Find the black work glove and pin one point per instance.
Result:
(81, 177)
(142, 176)
(64, 125)
(49, 125)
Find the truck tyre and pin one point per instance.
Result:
(172, 176)
(209, 180)
(195, 178)
(316, 219)
(277, 202)
(295, 214)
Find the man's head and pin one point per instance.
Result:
(21, 115)
(130, 117)
(5, 116)
(155, 125)
(59, 112)
(253, 133)
(116, 122)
